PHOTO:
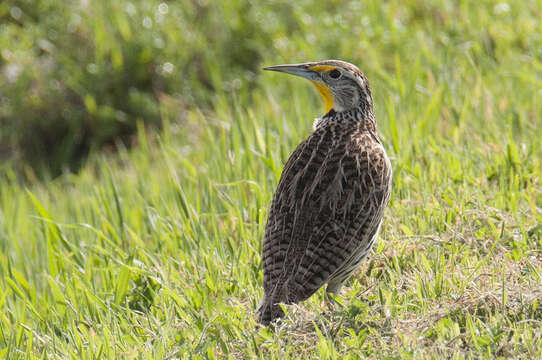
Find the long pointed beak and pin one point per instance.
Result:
(302, 70)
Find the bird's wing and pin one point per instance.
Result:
(327, 204)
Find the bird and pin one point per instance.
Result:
(327, 209)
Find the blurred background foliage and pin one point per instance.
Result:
(80, 75)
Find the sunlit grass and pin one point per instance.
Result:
(155, 252)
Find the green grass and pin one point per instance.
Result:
(154, 252)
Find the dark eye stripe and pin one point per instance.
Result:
(334, 74)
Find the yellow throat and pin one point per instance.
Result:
(323, 90)
(326, 95)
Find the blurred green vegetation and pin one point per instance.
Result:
(79, 75)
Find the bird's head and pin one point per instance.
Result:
(341, 85)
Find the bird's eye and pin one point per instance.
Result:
(334, 74)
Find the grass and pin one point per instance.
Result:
(154, 252)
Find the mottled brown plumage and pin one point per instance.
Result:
(328, 206)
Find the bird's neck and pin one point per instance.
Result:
(360, 118)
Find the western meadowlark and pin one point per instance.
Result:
(328, 206)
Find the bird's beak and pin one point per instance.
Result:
(309, 71)
(302, 70)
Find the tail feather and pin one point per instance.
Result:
(269, 311)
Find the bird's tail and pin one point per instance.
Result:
(268, 311)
